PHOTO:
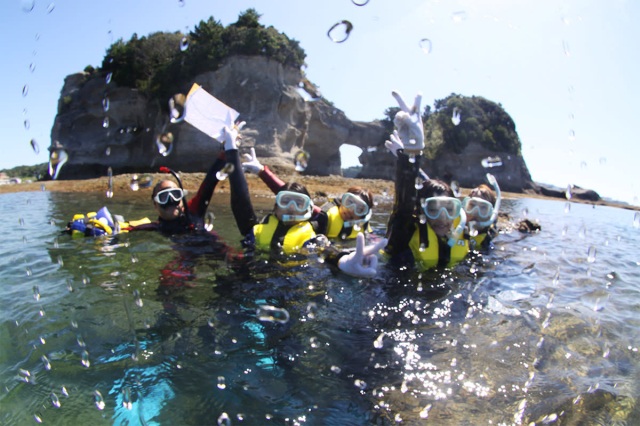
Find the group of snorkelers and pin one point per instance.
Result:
(429, 226)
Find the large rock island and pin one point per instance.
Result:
(103, 126)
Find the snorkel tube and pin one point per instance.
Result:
(296, 218)
(164, 169)
(455, 235)
(351, 223)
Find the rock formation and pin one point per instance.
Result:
(102, 126)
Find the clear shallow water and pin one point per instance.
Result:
(542, 329)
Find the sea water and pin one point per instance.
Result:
(145, 329)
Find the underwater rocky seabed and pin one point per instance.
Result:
(542, 329)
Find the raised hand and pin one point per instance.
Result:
(394, 143)
(409, 123)
(363, 262)
(230, 135)
(252, 165)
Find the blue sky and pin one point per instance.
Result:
(566, 71)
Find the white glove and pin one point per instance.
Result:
(252, 165)
(231, 135)
(409, 123)
(362, 263)
(394, 144)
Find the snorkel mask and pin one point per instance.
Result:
(169, 197)
(358, 206)
(173, 196)
(300, 203)
(477, 206)
(451, 207)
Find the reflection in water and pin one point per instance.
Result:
(540, 330)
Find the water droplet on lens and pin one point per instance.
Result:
(270, 313)
(108, 78)
(208, 221)
(525, 212)
(98, 399)
(459, 16)
(339, 32)
(455, 187)
(25, 90)
(134, 183)
(591, 254)
(36, 292)
(567, 192)
(361, 384)
(425, 45)
(221, 382)
(176, 108)
(35, 146)
(109, 183)
(27, 124)
(565, 48)
(226, 170)
(184, 43)
(567, 208)
(107, 151)
(51, 7)
(126, 398)
(378, 343)
(55, 401)
(164, 143)
(360, 2)
(224, 420)
(57, 158)
(106, 104)
(27, 5)
(491, 162)
(85, 360)
(636, 220)
(603, 161)
(572, 135)
(419, 183)
(301, 160)
(46, 362)
(137, 299)
(105, 123)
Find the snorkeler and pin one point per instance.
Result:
(482, 207)
(426, 225)
(288, 230)
(342, 218)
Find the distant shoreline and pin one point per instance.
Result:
(318, 186)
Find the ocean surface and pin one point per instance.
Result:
(141, 329)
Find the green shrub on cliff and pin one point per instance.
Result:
(163, 64)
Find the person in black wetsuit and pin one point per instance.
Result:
(289, 222)
(426, 225)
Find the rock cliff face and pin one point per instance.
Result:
(100, 125)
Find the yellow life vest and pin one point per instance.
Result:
(427, 253)
(476, 241)
(336, 224)
(294, 239)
